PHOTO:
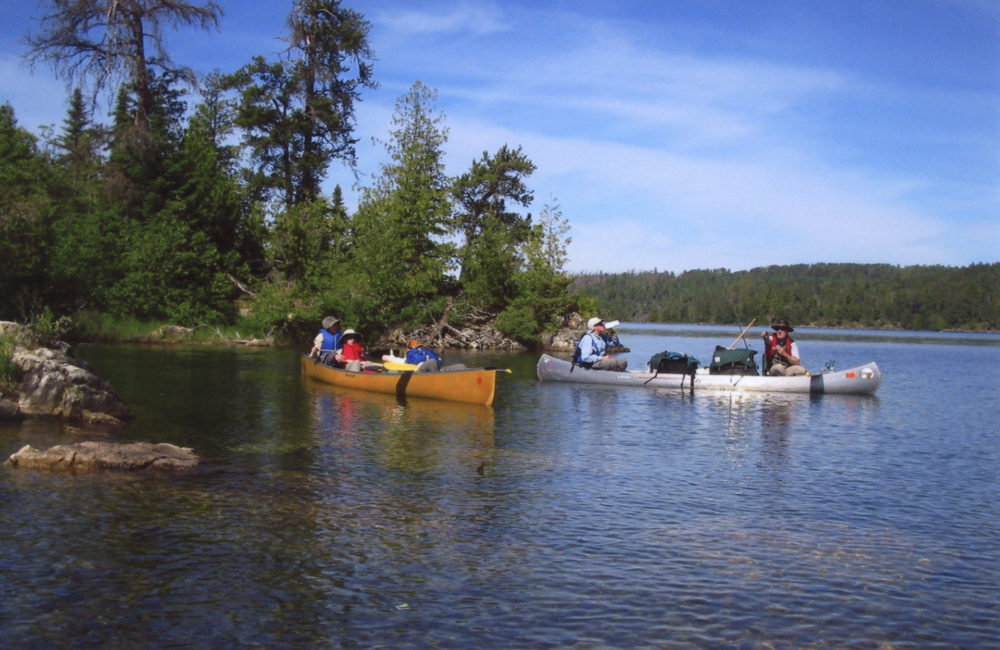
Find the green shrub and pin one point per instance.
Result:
(46, 329)
(10, 372)
(519, 324)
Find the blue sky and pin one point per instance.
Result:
(679, 134)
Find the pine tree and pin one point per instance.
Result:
(402, 220)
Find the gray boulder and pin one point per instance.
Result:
(95, 456)
(9, 410)
(54, 383)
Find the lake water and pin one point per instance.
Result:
(600, 517)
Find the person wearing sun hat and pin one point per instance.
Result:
(327, 341)
(352, 354)
(781, 353)
(591, 349)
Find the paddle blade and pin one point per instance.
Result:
(400, 367)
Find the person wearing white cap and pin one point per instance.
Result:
(591, 350)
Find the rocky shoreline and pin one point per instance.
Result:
(49, 382)
(52, 383)
(482, 336)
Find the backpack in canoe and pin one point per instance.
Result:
(673, 363)
(733, 362)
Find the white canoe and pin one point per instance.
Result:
(861, 380)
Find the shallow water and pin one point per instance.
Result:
(600, 517)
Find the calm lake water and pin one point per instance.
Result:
(602, 517)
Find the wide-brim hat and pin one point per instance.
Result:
(349, 332)
(329, 322)
(782, 324)
(611, 324)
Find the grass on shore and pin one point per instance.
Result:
(10, 372)
(103, 328)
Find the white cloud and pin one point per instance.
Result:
(460, 18)
(675, 153)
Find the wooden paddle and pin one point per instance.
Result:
(742, 334)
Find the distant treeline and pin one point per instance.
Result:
(828, 295)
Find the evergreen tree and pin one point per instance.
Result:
(493, 231)
(25, 220)
(176, 212)
(138, 179)
(80, 264)
(298, 112)
(541, 298)
(113, 41)
(402, 220)
(305, 241)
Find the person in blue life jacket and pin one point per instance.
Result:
(591, 350)
(327, 341)
(781, 353)
(426, 358)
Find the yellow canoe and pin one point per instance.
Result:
(472, 385)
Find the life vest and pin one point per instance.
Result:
(770, 344)
(353, 351)
(418, 355)
(600, 346)
(331, 341)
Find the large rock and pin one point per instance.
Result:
(93, 456)
(171, 333)
(9, 410)
(54, 383)
(564, 340)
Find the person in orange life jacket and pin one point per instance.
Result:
(352, 354)
(327, 341)
(593, 349)
(426, 358)
(781, 353)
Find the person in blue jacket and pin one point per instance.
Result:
(426, 358)
(591, 350)
(327, 341)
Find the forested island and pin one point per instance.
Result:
(201, 203)
(829, 295)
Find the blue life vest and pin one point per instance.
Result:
(599, 346)
(417, 356)
(331, 342)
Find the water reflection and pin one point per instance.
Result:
(603, 517)
(415, 435)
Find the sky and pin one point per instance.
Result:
(674, 134)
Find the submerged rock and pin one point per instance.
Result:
(94, 456)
